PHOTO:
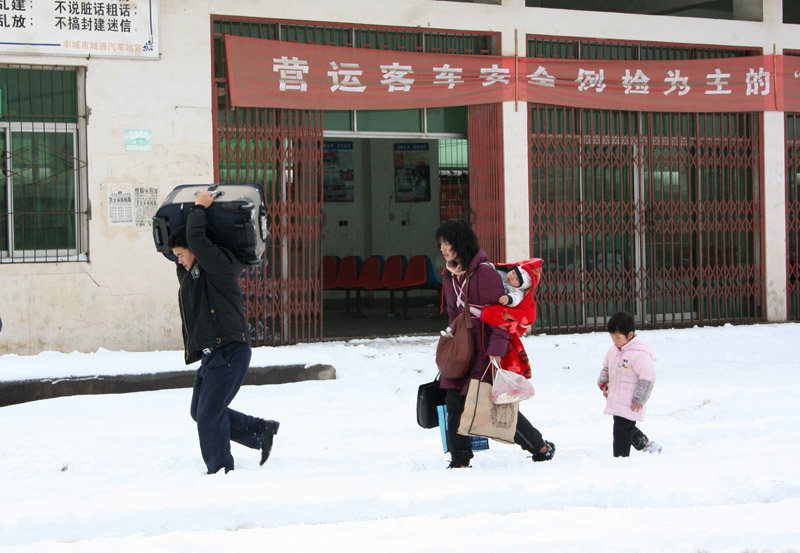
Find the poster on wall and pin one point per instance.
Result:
(120, 204)
(145, 205)
(412, 172)
(113, 28)
(339, 175)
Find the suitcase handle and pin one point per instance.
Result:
(160, 233)
(239, 205)
(217, 193)
(262, 225)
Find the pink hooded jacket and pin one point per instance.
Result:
(630, 373)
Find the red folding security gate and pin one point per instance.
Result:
(282, 151)
(658, 214)
(793, 216)
(792, 212)
(485, 128)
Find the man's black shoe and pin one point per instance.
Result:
(270, 429)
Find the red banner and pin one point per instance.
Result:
(722, 84)
(271, 73)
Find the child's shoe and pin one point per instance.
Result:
(652, 447)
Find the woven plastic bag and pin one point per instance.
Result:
(510, 387)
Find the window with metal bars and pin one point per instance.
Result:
(43, 205)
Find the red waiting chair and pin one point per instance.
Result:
(347, 276)
(393, 272)
(420, 275)
(371, 272)
(330, 268)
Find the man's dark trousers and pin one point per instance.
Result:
(216, 383)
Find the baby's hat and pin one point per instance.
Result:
(524, 278)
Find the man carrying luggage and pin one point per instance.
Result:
(215, 332)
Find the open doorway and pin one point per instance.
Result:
(385, 197)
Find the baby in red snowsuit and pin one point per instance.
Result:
(515, 282)
(515, 319)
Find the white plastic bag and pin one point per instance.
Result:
(510, 387)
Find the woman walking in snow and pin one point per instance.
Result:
(462, 254)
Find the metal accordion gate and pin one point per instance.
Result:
(792, 125)
(793, 216)
(281, 150)
(657, 214)
(486, 192)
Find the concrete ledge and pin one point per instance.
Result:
(16, 391)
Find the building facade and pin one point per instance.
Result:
(681, 217)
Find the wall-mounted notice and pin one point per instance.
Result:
(412, 172)
(145, 205)
(120, 204)
(137, 140)
(112, 28)
(339, 174)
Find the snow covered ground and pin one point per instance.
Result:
(351, 470)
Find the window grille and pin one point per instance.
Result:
(43, 203)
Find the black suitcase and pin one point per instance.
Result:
(237, 219)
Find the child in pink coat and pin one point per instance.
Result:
(627, 378)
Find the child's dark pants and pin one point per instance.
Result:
(626, 435)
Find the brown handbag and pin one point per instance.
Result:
(455, 350)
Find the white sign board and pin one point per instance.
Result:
(112, 28)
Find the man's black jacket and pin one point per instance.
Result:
(212, 308)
